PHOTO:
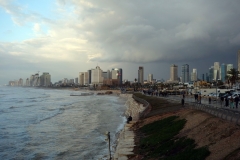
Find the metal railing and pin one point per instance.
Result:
(215, 108)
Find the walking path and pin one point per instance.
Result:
(126, 143)
(215, 108)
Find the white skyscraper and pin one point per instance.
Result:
(194, 76)
(216, 72)
(96, 76)
(150, 77)
(85, 78)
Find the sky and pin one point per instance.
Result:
(65, 37)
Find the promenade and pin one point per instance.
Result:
(215, 107)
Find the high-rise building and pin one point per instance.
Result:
(20, 82)
(150, 77)
(106, 75)
(34, 80)
(203, 78)
(116, 74)
(185, 73)
(216, 72)
(89, 76)
(238, 57)
(174, 73)
(96, 76)
(81, 78)
(45, 79)
(211, 70)
(194, 76)
(76, 80)
(140, 75)
(27, 82)
(85, 78)
(223, 72)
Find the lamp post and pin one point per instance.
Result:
(108, 138)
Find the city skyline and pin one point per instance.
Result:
(216, 71)
(66, 37)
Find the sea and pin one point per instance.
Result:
(37, 123)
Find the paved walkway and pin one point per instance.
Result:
(125, 144)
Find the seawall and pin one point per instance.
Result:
(125, 144)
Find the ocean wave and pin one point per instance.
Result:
(29, 105)
(60, 111)
(12, 107)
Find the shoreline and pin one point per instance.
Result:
(126, 137)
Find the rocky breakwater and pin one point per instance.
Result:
(125, 144)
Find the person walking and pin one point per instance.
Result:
(222, 99)
(236, 101)
(209, 100)
(195, 97)
(182, 102)
(199, 99)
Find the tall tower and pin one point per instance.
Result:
(238, 59)
(140, 74)
(185, 73)
(116, 73)
(174, 72)
(96, 76)
(150, 77)
(216, 72)
(211, 70)
(223, 72)
(194, 76)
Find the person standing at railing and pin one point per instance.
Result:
(182, 102)
(209, 100)
(199, 99)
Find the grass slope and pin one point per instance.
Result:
(159, 142)
(158, 139)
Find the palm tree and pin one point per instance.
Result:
(232, 76)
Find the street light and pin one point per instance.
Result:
(108, 138)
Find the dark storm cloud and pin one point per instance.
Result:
(162, 31)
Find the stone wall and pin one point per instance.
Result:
(133, 108)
